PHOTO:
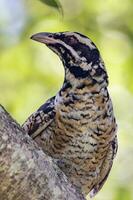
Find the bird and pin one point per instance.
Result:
(77, 126)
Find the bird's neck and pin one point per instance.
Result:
(83, 73)
(80, 89)
(73, 83)
(78, 85)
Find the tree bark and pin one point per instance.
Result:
(26, 173)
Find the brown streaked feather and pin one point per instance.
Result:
(40, 119)
(77, 127)
(106, 167)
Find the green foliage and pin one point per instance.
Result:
(123, 194)
(53, 3)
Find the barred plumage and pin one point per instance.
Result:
(77, 127)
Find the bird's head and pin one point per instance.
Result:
(79, 54)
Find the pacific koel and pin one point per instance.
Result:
(77, 126)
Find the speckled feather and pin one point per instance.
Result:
(77, 127)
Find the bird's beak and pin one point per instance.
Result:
(46, 38)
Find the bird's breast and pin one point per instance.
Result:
(86, 115)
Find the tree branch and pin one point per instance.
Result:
(26, 173)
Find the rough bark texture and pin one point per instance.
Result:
(26, 173)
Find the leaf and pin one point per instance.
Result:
(53, 3)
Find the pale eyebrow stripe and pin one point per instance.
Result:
(72, 51)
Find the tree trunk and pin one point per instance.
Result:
(26, 173)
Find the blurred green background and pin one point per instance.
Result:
(30, 73)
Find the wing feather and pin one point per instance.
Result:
(106, 167)
(40, 119)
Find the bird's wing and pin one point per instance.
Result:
(106, 167)
(40, 119)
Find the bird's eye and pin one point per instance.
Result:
(70, 40)
(73, 40)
